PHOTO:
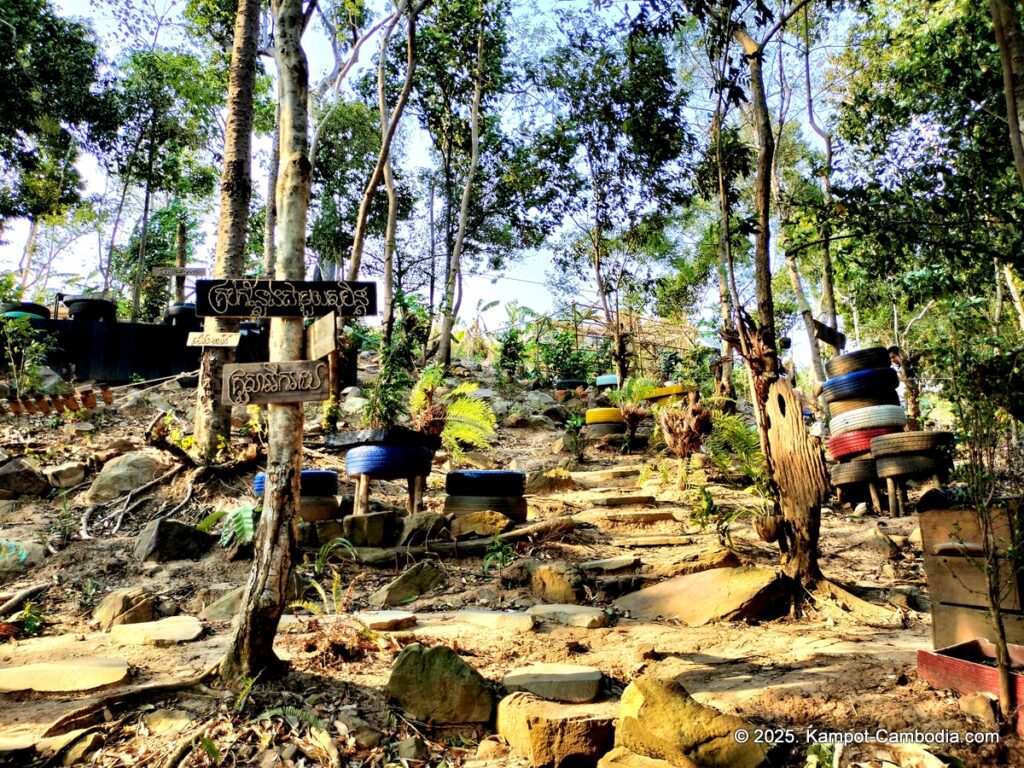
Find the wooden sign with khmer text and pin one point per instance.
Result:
(203, 339)
(248, 297)
(322, 337)
(284, 382)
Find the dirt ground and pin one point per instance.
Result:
(830, 669)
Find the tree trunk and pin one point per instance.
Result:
(270, 223)
(251, 651)
(140, 268)
(29, 253)
(213, 419)
(449, 308)
(181, 260)
(389, 185)
(797, 283)
(359, 237)
(1008, 34)
(1015, 296)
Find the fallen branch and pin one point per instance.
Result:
(28, 592)
(188, 492)
(387, 556)
(861, 610)
(84, 532)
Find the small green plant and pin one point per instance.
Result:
(576, 439)
(706, 514)
(63, 526)
(239, 526)
(499, 554)
(632, 403)
(510, 353)
(330, 414)
(24, 349)
(329, 549)
(135, 378)
(31, 620)
(248, 683)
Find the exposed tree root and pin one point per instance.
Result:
(14, 603)
(861, 610)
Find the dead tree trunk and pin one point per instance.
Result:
(252, 645)
(213, 419)
(1008, 33)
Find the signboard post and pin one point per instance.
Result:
(322, 337)
(290, 382)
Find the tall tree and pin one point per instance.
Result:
(213, 420)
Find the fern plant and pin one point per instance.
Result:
(239, 526)
(293, 716)
(735, 448)
(458, 419)
(631, 400)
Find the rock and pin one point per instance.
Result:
(141, 404)
(17, 557)
(483, 394)
(420, 674)
(374, 529)
(703, 561)
(556, 582)
(658, 718)
(501, 408)
(561, 445)
(353, 406)
(66, 475)
(359, 732)
(626, 501)
(539, 401)
(878, 540)
(557, 413)
(416, 581)
(491, 748)
(479, 460)
(351, 392)
(163, 721)
(125, 606)
(914, 539)
(620, 757)
(651, 541)
(51, 382)
(413, 749)
(512, 621)
(981, 706)
(550, 481)
(571, 615)
(164, 632)
(721, 594)
(126, 473)
(20, 478)
(422, 526)
(386, 620)
(483, 523)
(224, 608)
(556, 682)
(81, 674)
(164, 540)
(82, 748)
(540, 422)
(610, 564)
(547, 733)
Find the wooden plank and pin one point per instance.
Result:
(322, 337)
(962, 580)
(201, 339)
(287, 382)
(284, 298)
(952, 624)
(830, 336)
(178, 271)
(945, 531)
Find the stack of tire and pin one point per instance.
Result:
(913, 455)
(319, 491)
(604, 421)
(861, 393)
(389, 462)
(478, 490)
(606, 381)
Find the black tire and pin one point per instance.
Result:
(910, 466)
(312, 482)
(870, 382)
(839, 407)
(600, 430)
(91, 310)
(388, 462)
(27, 307)
(570, 383)
(478, 482)
(181, 310)
(188, 382)
(910, 442)
(852, 472)
(512, 507)
(871, 357)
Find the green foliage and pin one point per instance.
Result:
(31, 620)
(328, 550)
(633, 391)
(239, 526)
(294, 716)
(24, 349)
(576, 434)
(210, 749)
(499, 555)
(453, 414)
(735, 448)
(820, 756)
(563, 358)
(707, 514)
(510, 353)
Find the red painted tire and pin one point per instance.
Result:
(858, 441)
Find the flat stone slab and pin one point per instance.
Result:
(720, 594)
(611, 564)
(571, 615)
(599, 476)
(573, 683)
(383, 621)
(169, 631)
(623, 501)
(83, 674)
(652, 541)
(512, 620)
(641, 516)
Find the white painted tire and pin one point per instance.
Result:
(872, 417)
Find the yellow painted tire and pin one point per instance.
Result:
(604, 416)
(671, 389)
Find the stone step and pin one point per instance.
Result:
(623, 501)
(571, 615)
(384, 621)
(82, 674)
(652, 541)
(611, 564)
(169, 631)
(556, 682)
(511, 620)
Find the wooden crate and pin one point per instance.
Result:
(954, 624)
(947, 531)
(962, 581)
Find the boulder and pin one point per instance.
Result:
(539, 401)
(125, 606)
(413, 749)
(702, 561)
(225, 607)
(512, 621)
(478, 460)
(51, 382)
(557, 413)
(416, 581)
(610, 564)
(549, 481)
(163, 721)
(547, 733)
(721, 594)
(571, 615)
(164, 540)
(551, 581)
(358, 732)
(20, 478)
(66, 475)
(17, 557)
(658, 718)
(476, 524)
(620, 757)
(556, 682)
(385, 621)
(126, 473)
(374, 529)
(423, 526)
(420, 674)
(140, 404)
(501, 408)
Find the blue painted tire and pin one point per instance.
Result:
(485, 482)
(312, 482)
(859, 384)
(608, 380)
(388, 462)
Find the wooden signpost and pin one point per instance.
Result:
(248, 297)
(830, 336)
(322, 337)
(287, 382)
(178, 271)
(203, 339)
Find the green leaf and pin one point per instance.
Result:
(210, 749)
(207, 523)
